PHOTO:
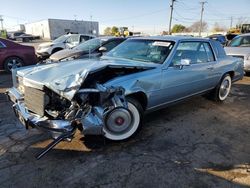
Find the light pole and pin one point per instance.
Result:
(202, 10)
(1, 20)
(171, 15)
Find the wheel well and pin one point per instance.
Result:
(141, 98)
(231, 73)
(56, 49)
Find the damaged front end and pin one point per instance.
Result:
(61, 98)
(87, 111)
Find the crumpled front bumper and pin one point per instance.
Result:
(30, 120)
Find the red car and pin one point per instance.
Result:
(15, 55)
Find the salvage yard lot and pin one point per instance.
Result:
(197, 143)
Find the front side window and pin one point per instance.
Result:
(110, 45)
(61, 39)
(143, 50)
(89, 45)
(73, 39)
(196, 52)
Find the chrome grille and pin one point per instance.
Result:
(35, 100)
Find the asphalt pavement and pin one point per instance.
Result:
(197, 143)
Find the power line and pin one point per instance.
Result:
(136, 16)
(186, 6)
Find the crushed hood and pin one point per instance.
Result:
(67, 77)
(66, 53)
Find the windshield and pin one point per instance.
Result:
(142, 50)
(89, 45)
(240, 41)
(61, 39)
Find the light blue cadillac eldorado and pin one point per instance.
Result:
(109, 96)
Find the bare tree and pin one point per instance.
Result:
(195, 27)
(240, 21)
(218, 28)
(164, 33)
(107, 31)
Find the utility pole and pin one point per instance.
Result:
(171, 15)
(1, 20)
(202, 10)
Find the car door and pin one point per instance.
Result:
(179, 82)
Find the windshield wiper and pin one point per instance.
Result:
(138, 59)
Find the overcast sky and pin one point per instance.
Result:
(149, 16)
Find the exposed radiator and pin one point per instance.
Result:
(35, 100)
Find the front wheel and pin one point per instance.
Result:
(222, 90)
(122, 123)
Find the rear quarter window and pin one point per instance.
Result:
(218, 49)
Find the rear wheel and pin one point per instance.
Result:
(222, 90)
(122, 123)
(12, 62)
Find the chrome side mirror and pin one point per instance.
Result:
(182, 63)
(102, 49)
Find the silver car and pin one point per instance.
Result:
(109, 96)
(240, 47)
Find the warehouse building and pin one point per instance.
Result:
(53, 28)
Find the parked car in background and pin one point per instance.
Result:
(15, 55)
(65, 41)
(108, 96)
(91, 48)
(219, 37)
(27, 37)
(14, 35)
(240, 47)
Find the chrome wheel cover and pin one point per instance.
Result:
(225, 88)
(122, 123)
(13, 63)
